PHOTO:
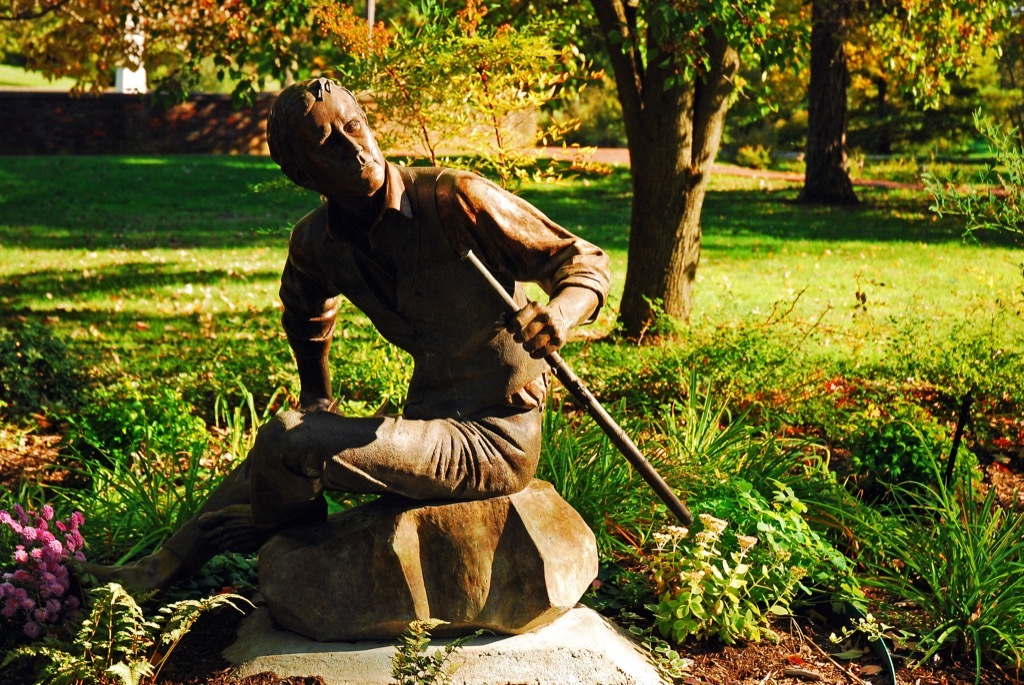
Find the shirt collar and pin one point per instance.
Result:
(396, 196)
(396, 199)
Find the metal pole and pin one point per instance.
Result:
(581, 392)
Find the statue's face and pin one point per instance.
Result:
(338, 150)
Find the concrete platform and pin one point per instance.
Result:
(579, 648)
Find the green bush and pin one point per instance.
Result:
(893, 445)
(599, 113)
(122, 421)
(754, 156)
(37, 371)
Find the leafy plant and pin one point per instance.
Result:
(116, 640)
(37, 595)
(412, 665)
(895, 444)
(960, 562)
(592, 475)
(124, 422)
(707, 593)
(995, 201)
(137, 505)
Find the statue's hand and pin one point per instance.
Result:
(541, 329)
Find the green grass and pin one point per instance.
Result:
(155, 259)
(16, 77)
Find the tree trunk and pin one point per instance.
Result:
(827, 180)
(673, 135)
(883, 144)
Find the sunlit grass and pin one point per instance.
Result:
(143, 258)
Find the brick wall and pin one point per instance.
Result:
(38, 123)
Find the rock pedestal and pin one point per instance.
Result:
(505, 564)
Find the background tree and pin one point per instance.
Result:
(248, 41)
(676, 66)
(445, 82)
(827, 178)
(924, 43)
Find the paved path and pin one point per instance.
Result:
(610, 155)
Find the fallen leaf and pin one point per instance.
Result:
(141, 325)
(795, 659)
(851, 654)
(870, 670)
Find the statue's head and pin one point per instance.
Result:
(318, 135)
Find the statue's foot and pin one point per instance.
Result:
(153, 572)
(234, 529)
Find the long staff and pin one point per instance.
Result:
(582, 393)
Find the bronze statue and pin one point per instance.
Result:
(389, 239)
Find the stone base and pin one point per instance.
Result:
(505, 564)
(579, 648)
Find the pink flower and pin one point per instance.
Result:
(20, 555)
(47, 512)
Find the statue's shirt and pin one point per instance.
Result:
(406, 273)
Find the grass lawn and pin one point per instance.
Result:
(148, 259)
(16, 77)
(816, 332)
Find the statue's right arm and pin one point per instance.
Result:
(310, 310)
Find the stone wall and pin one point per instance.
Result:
(40, 122)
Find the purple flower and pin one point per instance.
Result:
(33, 629)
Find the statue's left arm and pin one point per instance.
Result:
(513, 237)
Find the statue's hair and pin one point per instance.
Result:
(289, 109)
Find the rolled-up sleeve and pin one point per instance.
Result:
(310, 308)
(513, 236)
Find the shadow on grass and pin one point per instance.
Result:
(87, 202)
(131, 276)
(226, 201)
(882, 216)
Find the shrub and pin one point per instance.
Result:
(896, 445)
(981, 208)
(123, 422)
(754, 156)
(37, 371)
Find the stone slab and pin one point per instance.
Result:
(579, 648)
